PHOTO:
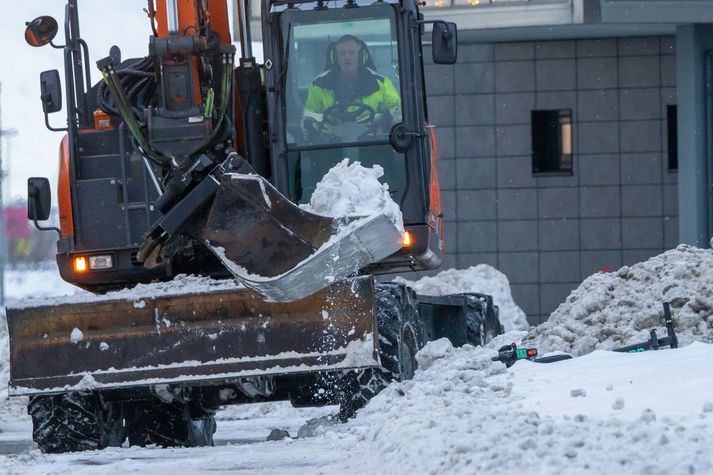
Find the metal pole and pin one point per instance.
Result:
(246, 49)
(172, 7)
(3, 231)
(3, 235)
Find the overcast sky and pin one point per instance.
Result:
(103, 23)
(34, 151)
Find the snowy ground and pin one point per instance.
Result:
(602, 412)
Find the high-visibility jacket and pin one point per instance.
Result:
(370, 88)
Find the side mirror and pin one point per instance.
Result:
(39, 199)
(444, 42)
(400, 138)
(51, 91)
(40, 31)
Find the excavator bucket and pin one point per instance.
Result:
(284, 252)
(221, 335)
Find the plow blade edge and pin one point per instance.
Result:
(189, 339)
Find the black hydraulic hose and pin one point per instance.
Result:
(103, 103)
(225, 86)
(138, 72)
(135, 72)
(125, 110)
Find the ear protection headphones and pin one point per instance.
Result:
(363, 54)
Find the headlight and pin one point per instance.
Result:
(407, 240)
(101, 262)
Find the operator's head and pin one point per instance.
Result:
(348, 50)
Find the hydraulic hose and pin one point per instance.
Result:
(225, 86)
(224, 90)
(116, 89)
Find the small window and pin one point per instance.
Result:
(672, 125)
(552, 142)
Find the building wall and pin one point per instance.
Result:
(548, 233)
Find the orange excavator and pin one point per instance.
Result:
(187, 161)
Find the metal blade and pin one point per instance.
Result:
(284, 252)
(219, 335)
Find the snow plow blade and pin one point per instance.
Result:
(284, 252)
(190, 339)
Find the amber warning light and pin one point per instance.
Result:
(80, 264)
(407, 240)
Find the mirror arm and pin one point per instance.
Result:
(425, 22)
(47, 228)
(53, 129)
(56, 46)
(448, 31)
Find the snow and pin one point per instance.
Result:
(24, 283)
(482, 279)
(463, 413)
(180, 285)
(609, 310)
(349, 189)
(76, 336)
(602, 412)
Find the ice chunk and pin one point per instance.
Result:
(76, 336)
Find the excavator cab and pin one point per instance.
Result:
(319, 117)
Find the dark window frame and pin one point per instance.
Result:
(552, 142)
(672, 137)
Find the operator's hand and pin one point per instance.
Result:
(381, 125)
(385, 121)
(312, 128)
(315, 132)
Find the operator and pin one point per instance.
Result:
(360, 94)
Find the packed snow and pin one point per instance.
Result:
(180, 285)
(482, 279)
(603, 412)
(26, 283)
(610, 310)
(463, 413)
(351, 190)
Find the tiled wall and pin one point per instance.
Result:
(548, 233)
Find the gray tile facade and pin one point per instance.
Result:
(548, 233)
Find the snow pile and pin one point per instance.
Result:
(180, 285)
(23, 283)
(463, 413)
(609, 310)
(482, 279)
(353, 190)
